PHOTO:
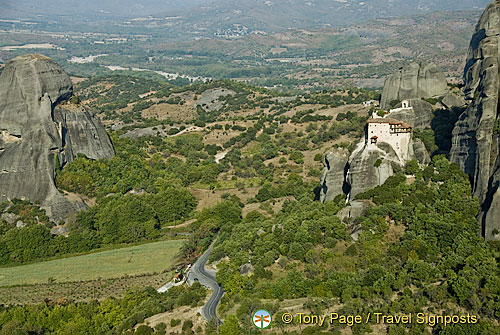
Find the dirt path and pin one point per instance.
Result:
(185, 224)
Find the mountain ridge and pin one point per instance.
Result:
(267, 15)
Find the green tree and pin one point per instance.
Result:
(231, 326)
(173, 203)
(28, 243)
(144, 330)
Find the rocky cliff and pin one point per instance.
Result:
(419, 116)
(333, 178)
(413, 81)
(37, 137)
(365, 168)
(475, 144)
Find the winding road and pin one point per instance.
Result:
(207, 278)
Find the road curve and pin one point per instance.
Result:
(209, 311)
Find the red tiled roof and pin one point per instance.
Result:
(389, 121)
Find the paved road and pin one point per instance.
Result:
(206, 278)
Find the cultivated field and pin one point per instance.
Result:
(133, 261)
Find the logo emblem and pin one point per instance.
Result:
(262, 319)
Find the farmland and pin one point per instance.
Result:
(131, 261)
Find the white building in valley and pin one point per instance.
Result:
(393, 132)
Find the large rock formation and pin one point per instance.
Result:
(37, 137)
(333, 177)
(451, 100)
(475, 144)
(420, 152)
(370, 166)
(413, 81)
(418, 116)
(366, 167)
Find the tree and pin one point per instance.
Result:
(28, 243)
(161, 328)
(187, 326)
(144, 330)
(231, 326)
(173, 203)
(297, 157)
(211, 326)
(412, 167)
(126, 219)
(296, 251)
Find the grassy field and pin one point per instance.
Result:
(132, 261)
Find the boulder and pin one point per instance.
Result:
(37, 137)
(21, 224)
(333, 176)
(246, 269)
(413, 81)
(10, 218)
(59, 230)
(475, 141)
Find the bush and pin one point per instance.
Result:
(297, 157)
(144, 330)
(175, 322)
(75, 100)
(296, 251)
(187, 325)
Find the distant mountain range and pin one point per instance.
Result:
(267, 15)
(115, 8)
(282, 14)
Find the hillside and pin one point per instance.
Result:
(278, 15)
(243, 163)
(215, 172)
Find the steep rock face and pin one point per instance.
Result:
(371, 166)
(332, 178)
(366, 167)
(413, 81)
(475, 144)
(420, 117)
(33, 133)
(451, 100)
(84, 133)
(420, 152)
